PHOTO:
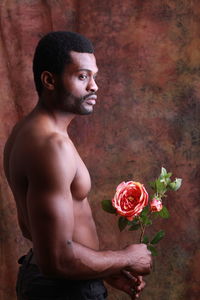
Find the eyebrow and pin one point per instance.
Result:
(87, 70)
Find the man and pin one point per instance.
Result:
(50, 184)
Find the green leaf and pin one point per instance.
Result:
(160, 186)
(165, 177)
(152, 184)
(107, 206)
(167, 181)
(145, 240)
(159, 236)
(163, 172)
(172, 186)
(169, 175)
(176, 184)
(153, 250)
(164, 213)
(146, 220)
(155, 214)
(134, 221)
(144, 211)
(134, 227)
(122, 223)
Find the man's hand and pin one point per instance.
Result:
(132, 285)
(140, 259)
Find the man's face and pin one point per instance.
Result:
(77, 87)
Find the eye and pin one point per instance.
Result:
(82, 76)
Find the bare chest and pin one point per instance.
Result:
(81, 183)
(84, 226)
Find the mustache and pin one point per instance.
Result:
(88, 95)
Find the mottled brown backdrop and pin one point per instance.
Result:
(147, 116)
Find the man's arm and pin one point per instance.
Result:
(51, 170)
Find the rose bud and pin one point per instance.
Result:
(156, 205)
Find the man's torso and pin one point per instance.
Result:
(19, 148)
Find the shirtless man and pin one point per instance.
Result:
(50, 184)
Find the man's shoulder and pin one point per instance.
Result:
(50, 144)
(50, 154)
(34, 142)
(36, 149)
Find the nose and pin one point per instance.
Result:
(92, 86)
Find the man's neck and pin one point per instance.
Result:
(60, 118)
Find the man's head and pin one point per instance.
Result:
(53, 53)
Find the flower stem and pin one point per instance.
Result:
(142, 227)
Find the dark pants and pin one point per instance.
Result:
(33, 285)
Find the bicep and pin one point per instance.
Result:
(49, 204)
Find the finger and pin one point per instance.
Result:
(141, 286)
(140, 279)
(134, 285)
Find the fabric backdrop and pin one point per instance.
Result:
(147, 116)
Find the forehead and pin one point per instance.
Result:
(83, 61)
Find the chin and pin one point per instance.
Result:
(86, 110)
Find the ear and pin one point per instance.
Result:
(48, 80)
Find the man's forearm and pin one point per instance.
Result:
(99, 264)
(80, 262)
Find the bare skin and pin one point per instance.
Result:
(50, 184)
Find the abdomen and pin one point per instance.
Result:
(84, 227)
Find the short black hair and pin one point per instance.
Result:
(52, 53)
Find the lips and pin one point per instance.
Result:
(91, 100)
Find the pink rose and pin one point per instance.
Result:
(130, 199)
(156, 205)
